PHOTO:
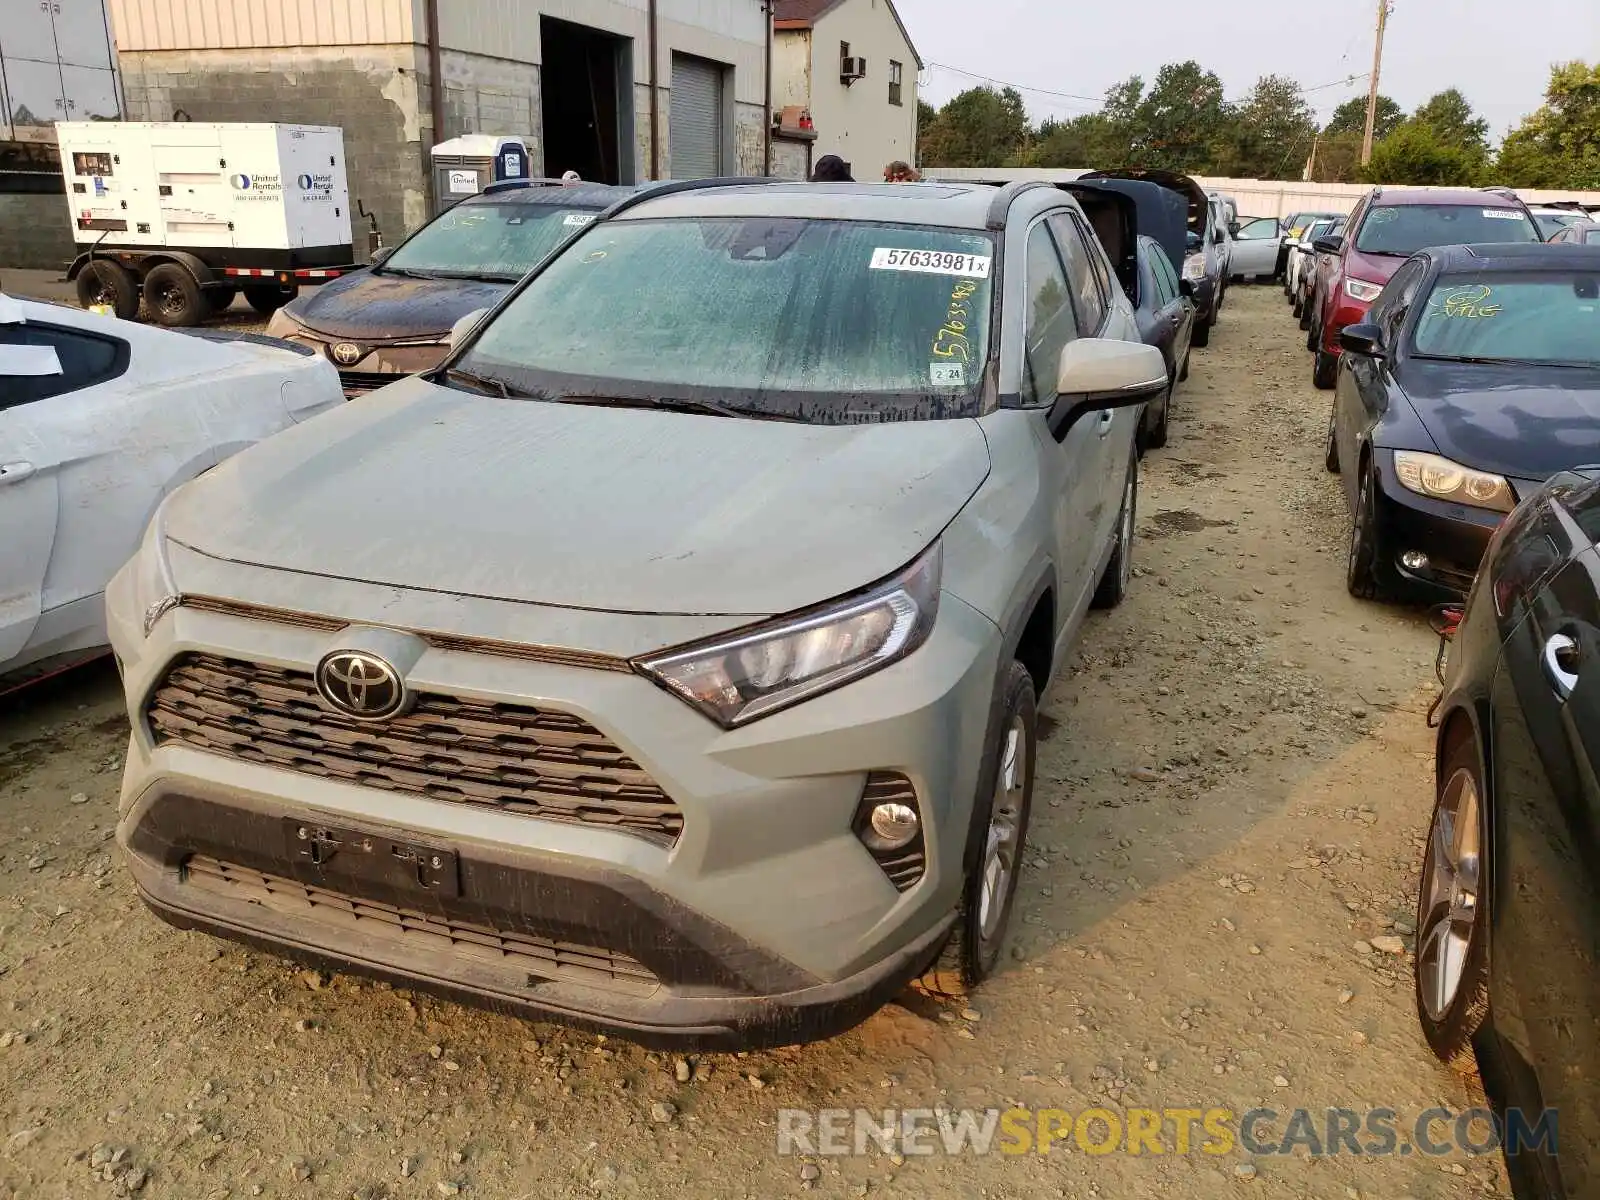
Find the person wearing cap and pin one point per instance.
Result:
(831, 168)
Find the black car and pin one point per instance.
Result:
(1166, 321)
(1508, 908)
(394, 318)
(1475, 377)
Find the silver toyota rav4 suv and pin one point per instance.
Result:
(666, 662)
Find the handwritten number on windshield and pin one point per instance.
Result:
(951, 340)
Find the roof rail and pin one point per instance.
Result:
(673, 186)
(506, 185)
(1497, 190)
(1001, 204)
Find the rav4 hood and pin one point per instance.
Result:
(1374, 268)
(617, 509)
(368, 306)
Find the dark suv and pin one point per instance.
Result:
(1388, 226)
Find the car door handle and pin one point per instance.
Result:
(1559, 652)
(15, 472)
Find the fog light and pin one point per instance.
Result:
(1414, 560)
(891, 826)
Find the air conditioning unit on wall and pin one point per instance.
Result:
(852, 69)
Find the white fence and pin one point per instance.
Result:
(1256, 197)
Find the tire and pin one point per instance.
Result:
(1113, 587)
(174, 298)
(1202, 333)
(1330, 456)
(1366, 577)
(1294, 303)
(1157, 437)
(221, 299)
(1307, 315)
(268, 298)
(1452, 1006)
(102, 282)
(973, 950)
(1324, 370)
(1183, 371)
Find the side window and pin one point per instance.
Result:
(1166, 277)
(85, 359)
(1087, 274)
(1050, 320)
(1262, 229)
(1390, 308)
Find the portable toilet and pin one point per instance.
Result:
(464, 166)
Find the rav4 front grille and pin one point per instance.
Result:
(515, 758)
(541, 958)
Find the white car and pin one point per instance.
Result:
(99, 420)
(1301, 254)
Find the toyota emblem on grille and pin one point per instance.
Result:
(360, 685)
(347, 353)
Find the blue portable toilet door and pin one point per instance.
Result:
(511, 161)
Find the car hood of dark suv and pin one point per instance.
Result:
(614, 509)
(372, 306)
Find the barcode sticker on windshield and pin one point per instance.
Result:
(947, 374)
(931, 262)
(1503, 214)
(577, 219)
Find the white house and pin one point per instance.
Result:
(850, 64)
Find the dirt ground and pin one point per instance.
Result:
(1232, 793)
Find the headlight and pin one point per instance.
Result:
(1441, 479)
(741, 678)
(282, 325)
(1360, 289)
(154, 591)
(1194, 268)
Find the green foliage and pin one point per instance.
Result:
(1351, 117)
(1272, 131)
(1416, 154)
(1559, 145)
(979, 128)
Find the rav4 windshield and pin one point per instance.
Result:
(829, 321)
(498, 240)
(1403, 229)
(1533, 316)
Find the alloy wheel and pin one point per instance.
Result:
(1005, 821)
(1451, 882)
(1125, 528)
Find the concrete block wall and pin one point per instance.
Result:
(372, 92)
(487, 95)
(749, 141)
(35, 232)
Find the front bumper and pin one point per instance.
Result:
(377, 364)
(763, 921)
(1453, 537)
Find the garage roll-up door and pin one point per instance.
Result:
(696, 123)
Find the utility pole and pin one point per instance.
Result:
(1372, 93)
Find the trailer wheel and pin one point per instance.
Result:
(174, 296)
(268, 298)
(102, 282)
(221, 299)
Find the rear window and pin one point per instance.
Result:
(1403, 229)
(826, 320)
(489, 241)
(1543, 316)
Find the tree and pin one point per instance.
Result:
(1415, 154)
(1272, 130)
(1559, 145)
(1183, 120)
(1338, 158)
(1449, 117)
(1351, 117)
(1085, 141)
(979, 128)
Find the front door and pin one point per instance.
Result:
(28, 503)
(1255, 247)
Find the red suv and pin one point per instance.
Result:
(1388, 226)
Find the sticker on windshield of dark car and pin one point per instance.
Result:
(1502, 214)
(576, 219)
(931, 262)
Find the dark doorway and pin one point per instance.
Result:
(580, 84)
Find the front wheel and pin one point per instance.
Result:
(1113, 586)
(1365, 576)
(1000, 819)
(1452, 971)
(1330, 455)
(1202, 333)
(1324, 370)
(1157, 435)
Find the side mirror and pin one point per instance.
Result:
(1365, 339)
(1328, 243)
(378, 255)
(465, 325)
(1097, 374)
(1219, 235)
(1233, 228)
(1186, 288)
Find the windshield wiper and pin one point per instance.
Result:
(1481, 360)
(492, 384)
(405, 271)
(671, 404)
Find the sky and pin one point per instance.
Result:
(1497, 52)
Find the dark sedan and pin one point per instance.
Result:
(1166, 321)
(1473, 379)
(1508, 907)
(395, 317)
